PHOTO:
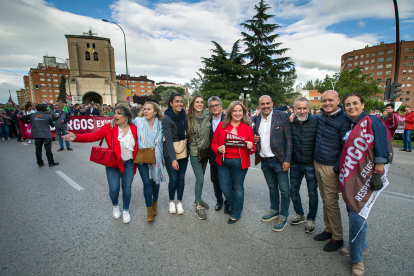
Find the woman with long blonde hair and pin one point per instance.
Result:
(233, 159)
(198, 120)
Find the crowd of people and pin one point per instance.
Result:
(291, 143)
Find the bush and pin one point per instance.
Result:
(225, 103)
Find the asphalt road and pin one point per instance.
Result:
(50, 228)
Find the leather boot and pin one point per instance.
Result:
(154, 207)
(150, 212)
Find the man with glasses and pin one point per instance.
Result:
(61, 119)
(216, 108)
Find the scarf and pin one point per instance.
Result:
(179, 120)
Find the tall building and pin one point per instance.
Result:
(43, 81)
(139, 85)
(168, 84)
(21, 97)
(92, 70)
(379, 62)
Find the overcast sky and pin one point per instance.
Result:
(167, 38)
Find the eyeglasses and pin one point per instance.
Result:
(214, 106)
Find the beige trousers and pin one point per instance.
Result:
(328, 182)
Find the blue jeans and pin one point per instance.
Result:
(231, 179)
(59, 133)
(151, 189)
(114, 176)
(177, 178)
(357, 244)
(407, 139)
(277, 180)
(4, 131)
(297, 171)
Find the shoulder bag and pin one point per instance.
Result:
(146, 155)
(105, 156)
(203, 154)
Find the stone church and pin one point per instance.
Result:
(92, 70)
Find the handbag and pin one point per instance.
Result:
(146, 155)
(105, 156)
(203, 154)
(180, 148)
(28, 131)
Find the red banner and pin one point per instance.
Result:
(401, 124)
(77, 125)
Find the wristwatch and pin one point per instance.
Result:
(75, 137)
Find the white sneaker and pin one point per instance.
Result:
(8, 138)
(30, 141)
(172, 209)
(116, 213)
(2, 139)
(180, 209)
(126, 217)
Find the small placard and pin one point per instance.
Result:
(233, 140)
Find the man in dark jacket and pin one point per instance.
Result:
(333, 123)
(272, 136)
(41, 133)
(391, 119)
(216, 108)
(16, 114)
(303, 137)
(61, 119)
(93, 111)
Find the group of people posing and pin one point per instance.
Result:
(308, 145)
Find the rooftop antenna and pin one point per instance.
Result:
(90, 32)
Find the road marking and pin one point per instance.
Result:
(70, 181)
(401, 196)
(24, 143)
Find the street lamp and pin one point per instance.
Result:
(126, 60)
(67, 67)
(245, 100)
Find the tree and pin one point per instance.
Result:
(194, 85)
(62, 89)
(265, 73)
(317, 84)
(348, 81)
(156, 93)
(165, 95)
(308, 85)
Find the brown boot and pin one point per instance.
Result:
(150, 216)
(154, 208)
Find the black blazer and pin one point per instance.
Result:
(213, 154)
(95, 112)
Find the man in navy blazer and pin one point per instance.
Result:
(215, 107)
(273, 138)
(92, 110)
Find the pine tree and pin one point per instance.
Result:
(266, 74)
(62, 89)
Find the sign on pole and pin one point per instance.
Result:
(128, 92)
(128, 98)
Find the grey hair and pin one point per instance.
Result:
(124, 111)
(266, 96)
(214, 98)
(301, 99)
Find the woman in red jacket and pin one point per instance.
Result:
(233, 142)
(125, 142)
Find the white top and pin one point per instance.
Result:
(127, 144)
(264, 132)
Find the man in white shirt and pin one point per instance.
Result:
(274, 149)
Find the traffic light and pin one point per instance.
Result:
(387, 93)
(37, 87)
(395, 89)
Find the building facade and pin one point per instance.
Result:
(139, 85)
(92, 70)
(379, 62)
(168, 84)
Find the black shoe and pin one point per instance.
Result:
(231, 221)
(227, 209)
(218, 207)
(60, 149)
(53, 164)
(333, 245)
(41, 165)
(403, 150)
(69, 149)
(408, 150)
(323, 236)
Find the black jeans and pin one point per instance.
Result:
(48, 148)
(217, 190)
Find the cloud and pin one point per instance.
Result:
(362, 24)
(9, 81)
(407, 37)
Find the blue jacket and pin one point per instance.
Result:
(382, 153)
(280, 136)
(303, 137)
(331, 130)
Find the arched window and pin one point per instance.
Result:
(95, 56)
(87, 56)
(87, 45)
(93, 45)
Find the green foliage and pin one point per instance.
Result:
(225, 103)
(372, 103)
(156, 93)
(62, 89)
(349, 80)
(308, 85)
(165, 95)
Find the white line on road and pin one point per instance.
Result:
(401, 196)
(24, 143)
(70, 181)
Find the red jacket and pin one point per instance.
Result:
(105, 132)
(409, 121)
(243, 130)
(392, 122)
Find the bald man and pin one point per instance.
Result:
(333, 123)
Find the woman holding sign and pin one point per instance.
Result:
(122, 134)
(233, 142)
(363, 172)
